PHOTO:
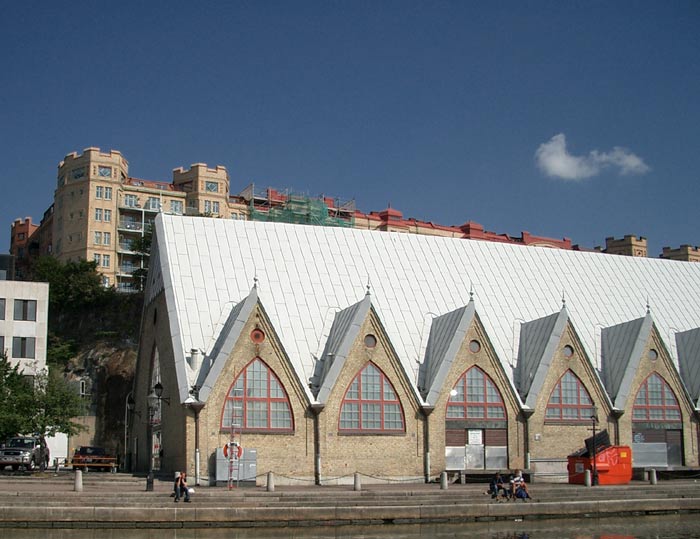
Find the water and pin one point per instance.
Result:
(658, 527)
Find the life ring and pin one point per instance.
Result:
(238, 454)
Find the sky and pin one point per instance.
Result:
(563, 118)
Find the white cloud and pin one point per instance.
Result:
(555, 161)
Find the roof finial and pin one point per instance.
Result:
(471, 291)
(563, 298)
(255, 281)
(368, 286)
(648, 306)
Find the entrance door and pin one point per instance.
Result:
(474, 450)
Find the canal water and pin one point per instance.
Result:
(656, 527)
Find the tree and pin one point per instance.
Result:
(16, 400)
(42, 405)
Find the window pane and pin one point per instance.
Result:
(350, 416)
(371, 416)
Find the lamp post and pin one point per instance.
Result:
(129, 405)
(196, 406)
(154, 398)
(594, 419)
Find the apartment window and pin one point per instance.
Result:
(23, 347)
(99, 191)
(131, 201)
(176, 206)
(105, 281)
(105, 261)
(257, 401)
(2, 344)
(20, 236)
(211, 207)
(475, 396)
(108, 193)
(108, 216)
(98, 238)
(98, 214)
(371, 404)
(153, 203)
(2, 311)
(107, 238)
(97, 258)
(25, 309)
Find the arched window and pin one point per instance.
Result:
(257, 401)
(371, 404)
(475, 396)
(569, 400)
(655, 401)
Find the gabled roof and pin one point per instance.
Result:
(308, 273)
(622, 348)
(227, 336)
(539, 340)
(688, 344)
(447, 333)
(344, 332)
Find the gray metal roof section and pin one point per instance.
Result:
(621, 350)
(308, 273)
(538, 343)
(447, 333)
(344, 331)
(688, 345)
(228, 335)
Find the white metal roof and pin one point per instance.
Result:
(305, 274)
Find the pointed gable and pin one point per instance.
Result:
(345, 329)
(538, 342)
(688, 346)
(621, 351)
(447, 333)
(228, 336)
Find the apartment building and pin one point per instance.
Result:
(101, 213)
(24, 309)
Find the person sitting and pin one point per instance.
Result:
(497, 486)
(181, 489)
(518, 487)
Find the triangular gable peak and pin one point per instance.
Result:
(228, 336)
(688, 346)
(621, 351)
(538, 343)
(345, 329)
(447, 333)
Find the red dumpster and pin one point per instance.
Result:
(613, 464)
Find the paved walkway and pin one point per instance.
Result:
(120, 501)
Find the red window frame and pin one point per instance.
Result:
(664, 408)
(467, 405)
(584, 411)
(381, 402)
(246, 399)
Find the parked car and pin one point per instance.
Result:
(91, 457)
(28, 452)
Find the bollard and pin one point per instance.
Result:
(358, 484)
(78, 485)
(270, 481)
(443, 481)
(587, 478)
(652, 476)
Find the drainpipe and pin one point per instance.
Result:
(316, 409)
(427, 410)
(527, 414)
(615, 415)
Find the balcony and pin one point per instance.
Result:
(131, 226)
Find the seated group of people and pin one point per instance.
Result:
(510, 489)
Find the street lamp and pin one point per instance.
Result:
(129, 406)
(194, 404)
(154, 398)
(594, 419)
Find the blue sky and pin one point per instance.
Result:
(562, 118)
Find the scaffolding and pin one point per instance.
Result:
(274, 206)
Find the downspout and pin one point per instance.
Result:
(615, 415)
(527, 414)
(316, 409)
(427, 410)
